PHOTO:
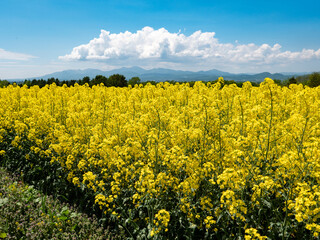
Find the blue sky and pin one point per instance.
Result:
(44, 36)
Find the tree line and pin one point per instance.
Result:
(118, 80)
(115, 80)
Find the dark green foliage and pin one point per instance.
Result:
(134, 80)
(314, 79)
(311, 80)
(98, 80)
(85, 80)
(278, 82)
(4, 83)
(292, 80)
(117, 80)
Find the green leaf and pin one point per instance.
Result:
(63, 218)
(64, 209)
(3, 201)
(267, 203)
(73, 215)
(192, 226)
(3, 235)
(74, 227)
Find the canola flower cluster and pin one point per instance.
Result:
(173, 160)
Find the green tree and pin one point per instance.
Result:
(117, 80)
(314, 79)
(278, 81)
(292, 80)
(134, 80)
(99, 79)
(4, 83)
(51, 80)
(27, 82)
(84, 80)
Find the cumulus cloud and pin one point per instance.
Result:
(6, 55)
(162, 46)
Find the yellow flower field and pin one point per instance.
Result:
(179, 162)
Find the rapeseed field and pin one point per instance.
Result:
(211, 161)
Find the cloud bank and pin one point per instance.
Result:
(162, 46)
(6, 55)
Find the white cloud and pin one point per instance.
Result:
(200, 48)
(6, 55)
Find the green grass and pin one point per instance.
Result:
(26, 213)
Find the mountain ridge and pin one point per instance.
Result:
(162, 74)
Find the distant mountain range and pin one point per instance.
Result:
(162, 74)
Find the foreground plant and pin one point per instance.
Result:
(27, 214)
